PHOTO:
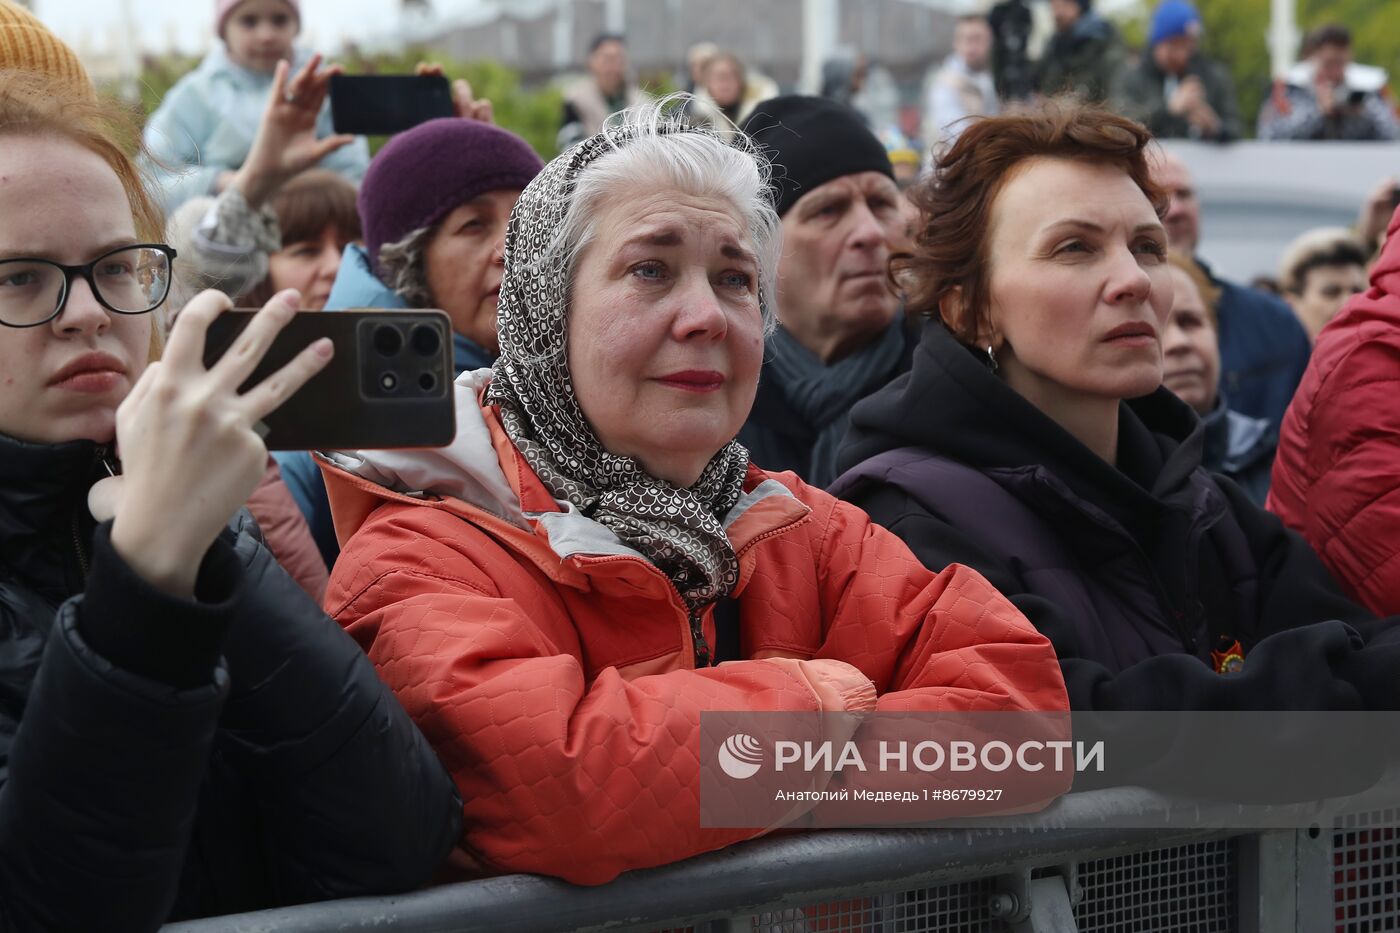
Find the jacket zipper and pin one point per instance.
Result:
(697, 635)
(78, 548)
(76, 525)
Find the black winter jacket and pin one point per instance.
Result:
(780, 437)
(1134, 573)
(163, 758)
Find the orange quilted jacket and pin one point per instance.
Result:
(552, 668)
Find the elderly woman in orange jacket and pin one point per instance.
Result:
(548, 596)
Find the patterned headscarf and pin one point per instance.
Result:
(678, 530)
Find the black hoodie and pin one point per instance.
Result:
(1134, 572)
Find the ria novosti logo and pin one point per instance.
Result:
(741, 756)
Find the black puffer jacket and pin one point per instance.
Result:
(1134, 572)
(164, 758)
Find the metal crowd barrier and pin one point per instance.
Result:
(1038, 879)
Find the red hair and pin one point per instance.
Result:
(33, 104)
(951, 250)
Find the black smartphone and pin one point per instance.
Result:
(388, 385)
(379, 105)
(1395, 197)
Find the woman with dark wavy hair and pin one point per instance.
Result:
(1033, 440)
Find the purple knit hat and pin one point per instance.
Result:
(424, 174)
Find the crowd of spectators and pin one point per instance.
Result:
(759, 407)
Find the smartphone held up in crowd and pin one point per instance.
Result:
(380, 105)
(389, 384)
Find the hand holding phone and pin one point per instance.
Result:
(286, 143)
(380, 105)
(389, 384)
(464, 100)
(188, 439)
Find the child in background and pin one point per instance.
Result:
(205, 126)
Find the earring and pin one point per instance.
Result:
(991, 359)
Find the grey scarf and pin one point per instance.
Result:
(678, 530)
(823, 395)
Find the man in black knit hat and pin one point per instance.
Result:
(841, 330)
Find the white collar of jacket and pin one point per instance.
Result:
(1367, 78)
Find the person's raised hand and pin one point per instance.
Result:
(463, 101)
(1204, 118)
(1194, 106)
(1187, 95)
(286, 142)
(1376, 211)
(189, 443)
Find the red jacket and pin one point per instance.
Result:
(553, 669)
(1337, 474)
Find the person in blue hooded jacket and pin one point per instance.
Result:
(205, 126)
(434, 206)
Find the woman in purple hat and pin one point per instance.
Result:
(433, 207)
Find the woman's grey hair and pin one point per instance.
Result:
(403, 268)
(653, 151)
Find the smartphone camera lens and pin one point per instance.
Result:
(388, 382)
(427, 382)
(425, 340)
(387, 340)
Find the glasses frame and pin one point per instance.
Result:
(85, 270)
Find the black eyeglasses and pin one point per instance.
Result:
(129, 280)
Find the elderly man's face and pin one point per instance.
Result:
(665, 333)
(834, 291)
(1183, 220)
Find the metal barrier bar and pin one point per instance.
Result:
(1269, 882)
(766, 876)
(1021, 877)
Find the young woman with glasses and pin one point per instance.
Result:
(182, 731)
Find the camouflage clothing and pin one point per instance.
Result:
(1141, 95)
(1082, 60)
